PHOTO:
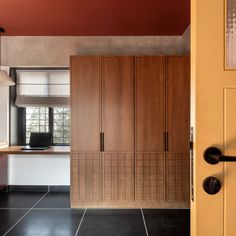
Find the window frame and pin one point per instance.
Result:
(22, 126)
(19, 119)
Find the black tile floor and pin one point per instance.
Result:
(49, 214)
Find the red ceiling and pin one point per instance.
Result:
(94, 17)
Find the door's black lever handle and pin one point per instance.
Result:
(213, 155)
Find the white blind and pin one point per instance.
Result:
(43, 88)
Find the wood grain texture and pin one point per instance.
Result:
(117, 125)
(133, 101)
(178, 128)
(127, 204)
(149, 177)
(177, 177)
(86, 177)
(149, 128)
(117, 107)
(178, 103)
(3, 171)
(118, 177)
(54, 150)
(85, 104)
(149, 104)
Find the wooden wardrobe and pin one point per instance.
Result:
(130, 131)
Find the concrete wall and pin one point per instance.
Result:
(55, 51)
(186, 40)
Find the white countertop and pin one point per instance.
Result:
(3, 144)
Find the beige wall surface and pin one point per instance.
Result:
(186, 40)
(55, 50)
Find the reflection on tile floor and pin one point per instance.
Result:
(55, 200)
(49, 214)
(48, 222)
(118, 222)
(167, 222)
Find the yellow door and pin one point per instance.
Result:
(213, 116)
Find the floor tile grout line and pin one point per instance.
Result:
(80, 223)
(144, 222)
(25, 214)
(33, 207)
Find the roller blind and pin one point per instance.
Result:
(42, 88)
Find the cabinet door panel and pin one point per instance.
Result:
(178, 127)
(85, 104)
(149, 104)
(118, 177)
(86, 178)
(117, 79)
(149, 177)
(178, 103)
(177, 177)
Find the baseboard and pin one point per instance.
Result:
(60, 189)
(3, 189)
(39, 188)
(132, 205)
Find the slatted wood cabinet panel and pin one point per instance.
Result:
(178, 127)
(177, 177)
(130, 131)
(149, 175)
(86, 178)
(149, 128)
(117, 125)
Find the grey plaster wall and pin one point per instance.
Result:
(55, 51)
(186, 40)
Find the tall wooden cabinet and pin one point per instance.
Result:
(86, 165)
(102, 160)
(117, 125)
(177, 128)
(149, 128)
(130, 131)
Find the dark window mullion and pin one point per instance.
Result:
(50, 121)
(63, 123)
(22, 126)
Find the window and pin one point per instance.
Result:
(44, 119)
(37, 120)
(61, 125)
(41, 98)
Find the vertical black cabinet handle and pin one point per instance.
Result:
(101, 142)
(166, 140)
